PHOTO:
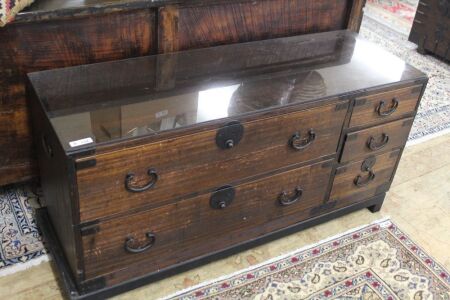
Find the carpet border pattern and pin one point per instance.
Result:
(268, 268)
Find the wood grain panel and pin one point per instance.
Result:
(191, 228)
(431, 28)
(345, 191)
(365, 111)
(209, 25)
(57, 183)
(356, 15)
(53, 44)
(194, 163)
(356, 143)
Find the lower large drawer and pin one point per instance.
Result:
(363, 179)
(174, 233)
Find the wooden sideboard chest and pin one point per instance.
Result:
(156, 164)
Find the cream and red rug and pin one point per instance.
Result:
(10, 8)
(397, 14)
(20, 242)
(378, 261)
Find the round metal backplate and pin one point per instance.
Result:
(222, 197)
(229, 135)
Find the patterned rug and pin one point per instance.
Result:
(377, 261)
(21, 245)
(397, 14)
(10, 8)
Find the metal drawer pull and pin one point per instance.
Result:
(359, 182)
(130, 176)
(285, 200)
(374, 146)
(388, 112)
(139, 249)
(299, 143)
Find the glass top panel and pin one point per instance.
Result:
(124, 99)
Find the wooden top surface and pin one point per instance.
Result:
(147, 95)
(54, 9)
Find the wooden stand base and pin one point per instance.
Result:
(72, 292)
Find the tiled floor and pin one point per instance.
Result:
(419, 202)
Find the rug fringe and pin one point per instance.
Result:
(277, 258)
(427, 137)
(24, 266)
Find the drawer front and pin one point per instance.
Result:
(194, 164)
(374, 140)
(385, 106)
(363, 179)
(197, 226)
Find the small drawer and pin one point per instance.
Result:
(154, 174)
(374, 109)
(363, 179)
(374, 140)
(174, 233)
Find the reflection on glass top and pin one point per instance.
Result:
(147, 95)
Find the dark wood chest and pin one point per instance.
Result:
(155, 164)
(431, 28)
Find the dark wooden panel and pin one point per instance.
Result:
(346, 192)
(13, 127)
(57, 182)
(45, 45)
(194, 163)
(50, 9)
(191, 228)
(55, 44)
(391, 135)
(187, 27)
(356, 15)
(366, 108)
(431, 28)
(15, 144)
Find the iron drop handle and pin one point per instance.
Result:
(374, 146)
(130, 244)
(137, 189)
(360, 182)
(388, 112)
(285, 200)
(299, 143)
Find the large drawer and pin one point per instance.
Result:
(193, 227)
(195, 164)
(363, 179)
(385, 106)
(377, 139)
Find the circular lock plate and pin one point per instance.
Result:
(233, 131)
(222, 197)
